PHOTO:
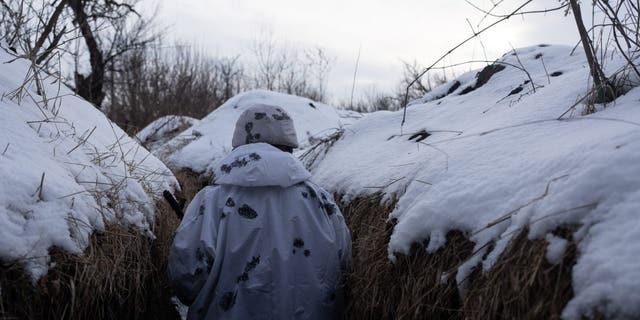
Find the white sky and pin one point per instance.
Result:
(387, 31)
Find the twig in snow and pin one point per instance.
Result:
(6, 148)
(73, 194)
(479, 250)
(388, 184)
(122, 154)
(545, 70)
(523, 68)
(439, 150)
(83, 141)
(509, 214)
(576, 103)
(584, 206)
(40, 187)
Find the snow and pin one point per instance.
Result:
(496, 164)
(555, 248)
(201, 146)
(66, 171)
(163, 129)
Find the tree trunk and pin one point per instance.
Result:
(596, 72)
(89, 87)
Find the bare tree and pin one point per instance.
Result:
(157, 80)
(320, 64)
(599, 79)
(35, 29)
(271, 62)
(285, 68)
(104, 26)
(231, 73)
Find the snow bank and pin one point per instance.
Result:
(163, 129)
(496, 160)
(66, 170)
(199, 147)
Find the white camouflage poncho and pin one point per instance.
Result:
(265, 243)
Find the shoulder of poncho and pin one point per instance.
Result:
(260, 164)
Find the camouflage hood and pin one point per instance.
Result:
(260, 165)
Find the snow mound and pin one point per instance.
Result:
(163, 129)
(66, 171)
(491, 158)
(201, 146)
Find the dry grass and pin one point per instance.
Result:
(408, 289)
(521, 285)
(191, 182)
(121, 275)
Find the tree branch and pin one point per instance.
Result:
(404, 115)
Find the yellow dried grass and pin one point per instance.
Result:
(121, 275)
(521, 285)
(408, 289)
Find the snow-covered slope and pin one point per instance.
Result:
(199, 147)
(65, 171)
(163, 129)
(497, 160)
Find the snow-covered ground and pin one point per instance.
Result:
(65, 171)
(489, 162)
(494, 163)
(163, 129)
(201, 146)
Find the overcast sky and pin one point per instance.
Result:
(387, 31)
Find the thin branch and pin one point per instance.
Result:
(545, 70)
(489, 12)
(509, 214)
(355, 72)
(523, 68)
(83, 141)
(53, 21)
(406, 96)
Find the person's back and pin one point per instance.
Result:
(264, 243)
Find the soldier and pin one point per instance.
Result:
(264, 242)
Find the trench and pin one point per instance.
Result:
(521, 285)
(122, 274)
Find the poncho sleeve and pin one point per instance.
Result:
(344, 239)
(193, 249)
(343, 236)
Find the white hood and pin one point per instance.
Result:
(260, 165)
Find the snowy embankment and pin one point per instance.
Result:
(163, 129)
(202, 145)
(493, 159)
(65, 170)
